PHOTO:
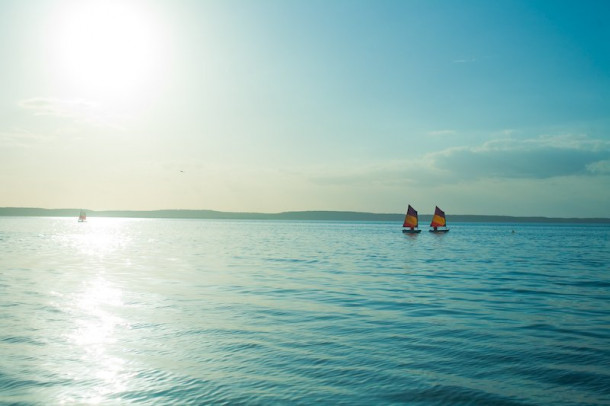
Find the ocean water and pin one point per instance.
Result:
(189, 312)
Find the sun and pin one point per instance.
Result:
(109, 48)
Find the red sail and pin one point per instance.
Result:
(439, 218)
(410, 218)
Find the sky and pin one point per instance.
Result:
(479, 107)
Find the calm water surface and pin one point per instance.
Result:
(125, 311)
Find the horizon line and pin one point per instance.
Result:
(66, 212)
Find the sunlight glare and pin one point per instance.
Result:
(107, 48)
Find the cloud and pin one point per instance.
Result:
(504, 159)
(536, 158)
(81, 111)
(599, 167)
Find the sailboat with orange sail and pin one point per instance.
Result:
(411, 223)
(82, 217)
(438, 220)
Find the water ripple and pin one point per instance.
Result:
(213, 312)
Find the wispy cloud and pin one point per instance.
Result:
(20, 137)
(81, 111)
(387, 173)
(442, 132)
(464, 60)
(396, 173)
(55, 107)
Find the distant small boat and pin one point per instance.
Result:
(410, 222)
(438, 220)
(82, 216)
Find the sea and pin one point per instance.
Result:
(118, 311)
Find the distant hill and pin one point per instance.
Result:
(289, 215)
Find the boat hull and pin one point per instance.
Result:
(409, 231)
(439, 231)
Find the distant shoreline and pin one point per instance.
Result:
(290, 215)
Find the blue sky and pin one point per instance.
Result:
(479, 107)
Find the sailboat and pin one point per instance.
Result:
(438, 220)
(82, 216)
(410, 222)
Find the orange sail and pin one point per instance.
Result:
(410, 218)
(439, 218)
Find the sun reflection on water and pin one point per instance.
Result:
(94, 340)
(95, 334)
(100, 237)
(100, 323)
